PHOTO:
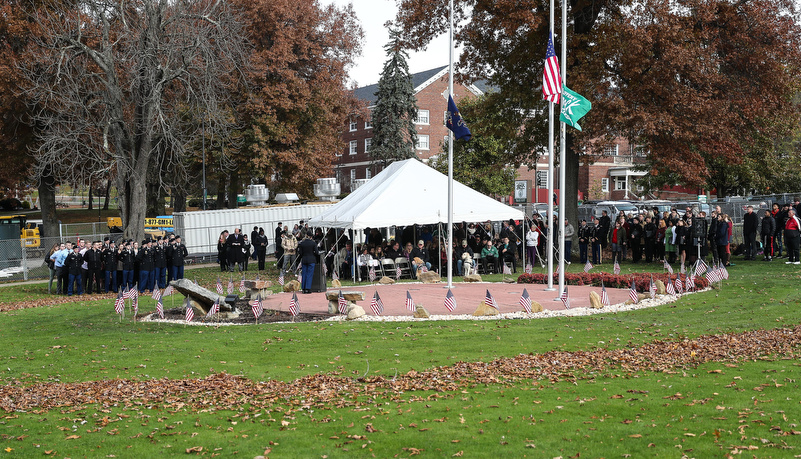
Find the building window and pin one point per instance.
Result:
(368, 124)
(367, 173)
(542, 179)
(620, 183)
(352, 175)
(605, 185)
(422, 142)
(640, 151)
(610, 150)
(353, 125)
(367, 144)
(354, 144)
(422, 117)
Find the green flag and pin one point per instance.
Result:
(573, 106)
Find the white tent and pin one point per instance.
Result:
(409, 192)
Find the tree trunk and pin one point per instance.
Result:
(178, 201)
(221, 186)
(47, 201)
(89, 206)
(133, 202)
(108, 194)
(233, 190)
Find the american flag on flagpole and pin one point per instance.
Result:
(334, 276)
(128, 293)
(281, 278)
(168, 291)
(450, 301)
(489, 300)
(713, 275)
(669, 287)
(633, 293)
(119, 304)
(409, 302)
(587, 266)
(616, 268)
(342, 304)
(398, 272)
(668, 267)
(525, 301)
(652, 288)
(156, 294)
(529, 269)
(135, 302)
(160, 308)
(700, 267)
(565, 299)
(679, 284)
(506, 269)
(230, 285)
(690, 282)
(256, 306)
(219, 287)
(376, 304)
(604, 295)
(242, 285)
(551, 81)
(294, 307)
(215, 308)
(371, 274)
(190, 313)
(724, 271)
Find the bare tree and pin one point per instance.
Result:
(117, 84)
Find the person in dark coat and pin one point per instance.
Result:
(235, 243)
(307, 251)
(260, 243)
(768, 229)
(178, 254)
(222, 251)
(750, 227)
(73, 264)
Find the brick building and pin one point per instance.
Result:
(431, 88)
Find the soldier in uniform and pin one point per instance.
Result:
(73, 264)
(159, 265)
(128, 258)
(178, 253)
(145, 259)
(584, 234)
(94, 264)
(109, 256)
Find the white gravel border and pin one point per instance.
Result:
(620, 307)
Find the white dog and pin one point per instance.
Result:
(467, 264)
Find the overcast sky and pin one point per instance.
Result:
(372, 15)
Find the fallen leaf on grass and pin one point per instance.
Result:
(194, 449)
(73, 437)
(635, 436)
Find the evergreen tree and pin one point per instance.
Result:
(394, 135)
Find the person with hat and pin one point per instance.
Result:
(109, 255)
(159, 264)
(178, 254)
(73, 264)
(145, 257)
(420, 252)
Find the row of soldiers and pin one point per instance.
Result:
(96, 266)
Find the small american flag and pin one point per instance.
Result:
(281, 278)
(190, 313)
(230, 286)
(667, 266)
(669, 288)
(398, 272)
(334, 276)
(160, 308)
(633, 293)
(679, 284)
(294, 307)
(371, 274)
(343, 305)
(409, 302)
(300, 279)
(506, 269)
(529, 269)
(652, 288)
(215, 308)
(690, 282)
(683, 269)
(119, 303)
(220, 287)
(168, 291)
(617, 268)
(242, 285)
(724, 272)
(128, 293)
(450, 301)
(551, 81)
(713, 275)
(700, 267)
(156, 294)
(604, 296)
(587, 266)
(376, 304)
(489, 300)
(564, 298)
(135, 302)
(256, 307)
(525, 301)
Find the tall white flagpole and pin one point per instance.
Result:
(549, 219)
(562, 159)
(449, 241)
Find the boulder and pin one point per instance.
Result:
(420, 312)
(292, 286)
(203, 298)
(257, 287)
(386, 281)
(485, 310)
(336, 283)
(472, 278)
(355, 311)
(660, 287)
(536, 307)
(428, 277)
(333, 299)
(595, 301)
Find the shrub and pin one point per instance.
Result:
(642, 280)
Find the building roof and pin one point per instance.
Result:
(419, 81)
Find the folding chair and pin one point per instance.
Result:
(388, 267)
(404, 265)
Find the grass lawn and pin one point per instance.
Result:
(371, 373)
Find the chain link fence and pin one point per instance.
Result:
(18, 262)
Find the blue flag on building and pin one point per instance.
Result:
(455, 122)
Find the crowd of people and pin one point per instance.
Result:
(108, 266)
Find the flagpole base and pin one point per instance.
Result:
(551, 289)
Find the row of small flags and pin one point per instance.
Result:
(133, 295)
(242, 288)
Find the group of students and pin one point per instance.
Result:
(106, 266)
